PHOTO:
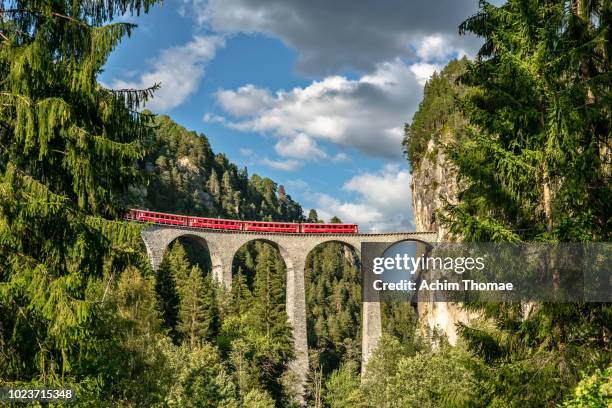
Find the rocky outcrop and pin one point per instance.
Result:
(434, 184)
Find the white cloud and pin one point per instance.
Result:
(300, 147)
(423, 71)
(341, 157)
(286, 165)
(246, 100)
(438, 47)
(179, 69)
(367, 113)
(382, 204)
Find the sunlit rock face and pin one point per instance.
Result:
(433, 185)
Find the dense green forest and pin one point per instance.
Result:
(526, 124)
(185, 176)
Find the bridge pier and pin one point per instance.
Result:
(371, 331)
(295, 304)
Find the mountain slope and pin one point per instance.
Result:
(185, 176)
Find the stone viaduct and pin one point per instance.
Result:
(294, 248)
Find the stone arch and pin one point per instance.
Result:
(157, 240)
(203, 244)
(349, 243)
(284, 253)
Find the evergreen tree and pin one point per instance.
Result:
(213, 184)
(312, 216)
(172, 274)
(197, 312)
(67, 153)
(268, 293)
(534, 165)
(258, 399)
(167, 297)
(137, 304)
(333, 296)
(241, 295)
(267, 320)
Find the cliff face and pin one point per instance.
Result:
(433, 185)
(434, 181)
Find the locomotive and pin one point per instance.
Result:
(236, 225)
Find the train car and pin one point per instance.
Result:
(329, 228)
(215, 223)
(265, 226)
(158, 218)
(235, 225)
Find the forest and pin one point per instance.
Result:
(526, 125)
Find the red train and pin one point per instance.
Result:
(235, 225)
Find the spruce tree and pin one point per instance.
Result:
(241, 295)
(534, 165)
(268, 320)
(67, 153)
(312, 216)
(198, 314)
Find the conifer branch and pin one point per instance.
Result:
(53, 13)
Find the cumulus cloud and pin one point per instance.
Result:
(367, 113)
(341, 34)
(423, 71)
(286, 165)
(246, 100)
(300, 147)
(439, 47)
(179, 69)
(382, 201)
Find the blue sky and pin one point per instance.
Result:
(311, 94)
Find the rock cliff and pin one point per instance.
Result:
(434, 179)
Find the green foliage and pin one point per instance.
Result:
(592, 391)
(333, 302)
(398, 377)
(399, 320)
(533, 164)
(67, 149)
(198, 315)
(313, 216)
(185, 176)
(342, 386)
(258, 399)
(438, 112)
(535, 155)
(202, 380)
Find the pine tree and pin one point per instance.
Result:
(198, 313)
(268, 293)
(213, 185)
(67, 153)
(268, 320)
(534, 163)
(241, 295)
(137, 304)
(312, 216)
(333, 302)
